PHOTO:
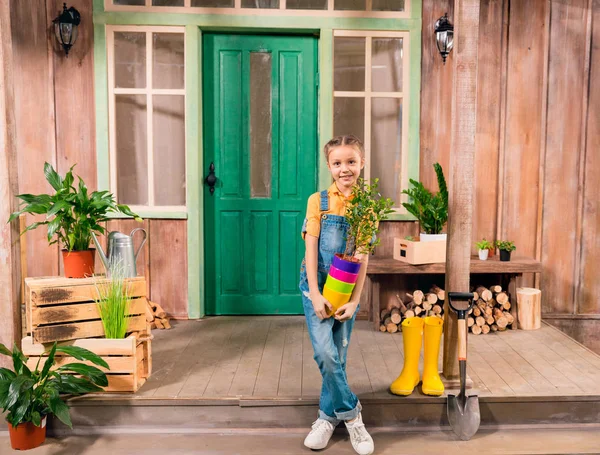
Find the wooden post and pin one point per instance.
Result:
(462, 153)
(10, 272)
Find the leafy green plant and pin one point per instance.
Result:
(113, 302)
(431, 210)
(484, 244)
(29, 395)
(71, 213)
(363, 213)
(505, 245)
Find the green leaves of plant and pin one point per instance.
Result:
(82, 354)
(27, 396)
(431, 210)
(71, 214)
(364, 212)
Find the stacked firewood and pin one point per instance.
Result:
(156, 316)
(418, 303)
(490, 312)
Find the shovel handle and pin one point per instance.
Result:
(462, 339)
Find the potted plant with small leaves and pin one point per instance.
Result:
(363, 213)
(71, 216)
(483, 247)
(505, 247)
(29, 394)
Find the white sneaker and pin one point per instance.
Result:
(359, 437)
(320, 434)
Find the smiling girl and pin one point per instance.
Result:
(324, 232)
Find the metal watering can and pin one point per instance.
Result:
(119, 252)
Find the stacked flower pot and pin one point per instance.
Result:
(340, 282)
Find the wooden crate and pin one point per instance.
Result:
(129, 359)
(419, 252)
(60, 309)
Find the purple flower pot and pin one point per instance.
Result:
(345, 266)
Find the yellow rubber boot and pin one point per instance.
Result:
(412, 335)
(432, 333)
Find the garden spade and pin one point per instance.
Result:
(463, 411)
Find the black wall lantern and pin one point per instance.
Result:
(65, 27)
(444, 36)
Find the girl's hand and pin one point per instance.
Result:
(346, 311)
(321, 305)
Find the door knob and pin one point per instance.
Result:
(211, 178)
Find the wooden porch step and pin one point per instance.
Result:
(120, 414)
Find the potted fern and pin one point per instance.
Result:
(71, 216)
(505, 247)
(363, 213)
(483, 247)
(29, 394)
(430, 210)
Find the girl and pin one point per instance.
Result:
(324, 232)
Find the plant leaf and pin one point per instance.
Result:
(92, 373)
(52, 177)
(49, 362)
(4, 350)
(61, 410)
(82, 354)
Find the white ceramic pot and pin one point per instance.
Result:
(432, 237)
(483, 254)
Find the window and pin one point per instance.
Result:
(371, 91)
(357, 8)
(147, 116)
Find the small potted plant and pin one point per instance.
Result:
(71, 216)
(363, 213)
(505, 247)
(430, 210)
(484, 247)
(28, 395)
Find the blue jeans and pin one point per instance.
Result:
(329, 337)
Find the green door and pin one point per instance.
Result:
(260, 132)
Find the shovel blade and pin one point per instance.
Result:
(464, 420)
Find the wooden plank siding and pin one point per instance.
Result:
(588, 285)
(563, 151)
(536, 160)
(35, 117)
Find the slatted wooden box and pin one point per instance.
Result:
(129, 359)
(60, 309)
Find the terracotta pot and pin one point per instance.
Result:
(26, 435)
(78, 264)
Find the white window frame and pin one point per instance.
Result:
(281, 11)
(368, 94)
(149, 92)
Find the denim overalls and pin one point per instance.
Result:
(330, 337)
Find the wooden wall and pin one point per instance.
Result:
(55, 116)
(536, 163)
(538, 138)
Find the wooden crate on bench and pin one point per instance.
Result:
(129, 359)
(60, 309)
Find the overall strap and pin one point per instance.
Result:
(324, 201)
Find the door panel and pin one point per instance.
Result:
(260, 131)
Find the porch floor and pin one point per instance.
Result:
(271, 357)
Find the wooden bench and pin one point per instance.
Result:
(512, 271)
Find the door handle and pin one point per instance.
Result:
(211, 178)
